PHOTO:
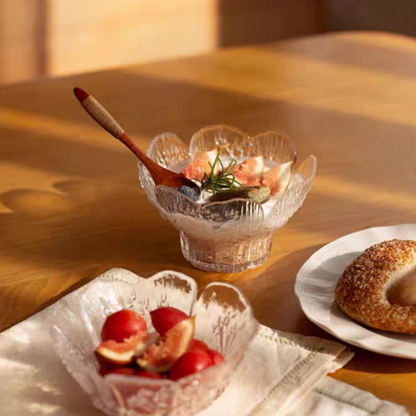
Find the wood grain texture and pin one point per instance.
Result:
(72, 206)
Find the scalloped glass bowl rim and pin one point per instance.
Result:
(191, 152)
(194, 378)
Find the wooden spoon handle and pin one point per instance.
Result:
(101, 116)
(160, 175)
(109, 123)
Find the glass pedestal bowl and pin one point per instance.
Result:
(234, 235)
(223, 319)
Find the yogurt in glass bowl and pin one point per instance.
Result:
(236, 234)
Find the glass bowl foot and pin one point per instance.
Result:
(226, 256)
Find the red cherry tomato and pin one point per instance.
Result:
(122, 325)
(122, 370)
(191, 362)
(197, 344)
(166, 317)
(148, 374)
(216, 356)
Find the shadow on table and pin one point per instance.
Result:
(76, 233)
(358, 50)
(369, 362)
(73, 223)
(316, 129)
(272, 295)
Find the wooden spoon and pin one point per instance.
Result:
(160, 175)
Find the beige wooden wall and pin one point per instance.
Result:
(57, 37)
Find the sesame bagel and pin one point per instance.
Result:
(362, 292)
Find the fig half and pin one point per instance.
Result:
(247, 171)
(161, 356)
(278, 178)
(122, 353)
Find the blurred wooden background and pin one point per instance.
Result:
(398, 16)
(57, 37)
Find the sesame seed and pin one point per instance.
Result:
(361, 292)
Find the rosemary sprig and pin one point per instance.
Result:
(224, 179)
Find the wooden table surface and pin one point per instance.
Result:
(72, 206)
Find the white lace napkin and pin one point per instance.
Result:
(284, 374)
(281, 374)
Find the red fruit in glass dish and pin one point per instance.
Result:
(149, 374)
(104, 370)
(216, 356)
(127, 371)
(190, 363)
(112, 353)
(166, 318)
(160, 357)
(122, 325)
(197, 344)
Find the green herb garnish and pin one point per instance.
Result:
(224, 179)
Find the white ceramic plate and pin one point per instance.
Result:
(315, 286)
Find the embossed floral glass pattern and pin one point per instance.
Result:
(223, 319)
(234, 235)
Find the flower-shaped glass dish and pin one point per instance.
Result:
(234, 235)
(223, 319)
